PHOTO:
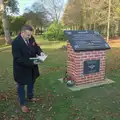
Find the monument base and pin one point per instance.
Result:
(89, 85)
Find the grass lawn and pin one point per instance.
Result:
(57, 101)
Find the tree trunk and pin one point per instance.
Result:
(34, 29)
(41, 29)
(94, 27)
(119, 28)
(8, 39)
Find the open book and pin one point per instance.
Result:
(39, 58)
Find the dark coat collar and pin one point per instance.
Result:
(21, 40)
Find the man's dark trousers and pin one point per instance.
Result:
(21, 92)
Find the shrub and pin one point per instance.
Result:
(54, 32)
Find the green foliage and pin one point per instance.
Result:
(16, 23)
(1, 28)
(54, 32)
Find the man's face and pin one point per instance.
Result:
(27, 34)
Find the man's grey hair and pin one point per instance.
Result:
(27, 27)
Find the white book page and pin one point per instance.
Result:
(42, 57)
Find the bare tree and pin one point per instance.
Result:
(36, 15)
(54, 8)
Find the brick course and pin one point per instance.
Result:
(75, 65)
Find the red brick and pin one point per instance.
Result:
(75, 67)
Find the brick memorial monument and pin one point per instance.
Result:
(86, 51)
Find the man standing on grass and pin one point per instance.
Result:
(25, 71)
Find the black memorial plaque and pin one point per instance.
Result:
(91, 66)
(86, 40)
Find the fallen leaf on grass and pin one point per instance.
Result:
(49, 108)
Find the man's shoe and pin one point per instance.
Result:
(33, 99)
(25, 109)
